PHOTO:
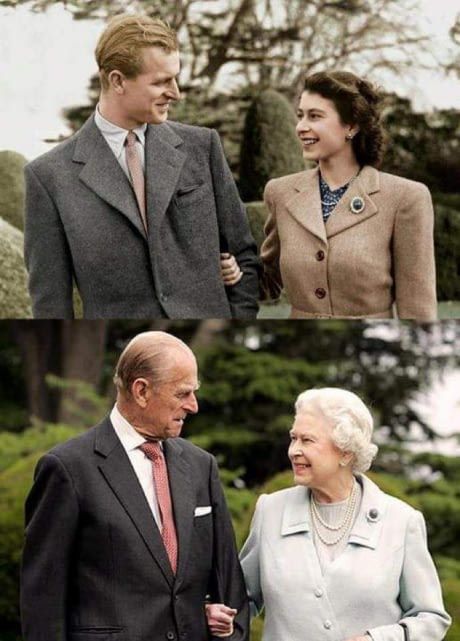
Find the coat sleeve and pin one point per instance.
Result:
(227, 583)
(420, 592)
(235, 235)
(46, 253)
(271, 281)
(250, 561)
(51, 516)
(413, 256)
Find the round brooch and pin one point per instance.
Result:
(357, 205)
(373, 515)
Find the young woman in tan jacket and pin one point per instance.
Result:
(344, 239)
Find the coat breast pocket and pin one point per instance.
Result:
(187, 195)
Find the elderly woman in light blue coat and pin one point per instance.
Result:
(334, 558)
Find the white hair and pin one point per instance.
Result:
(351, 420)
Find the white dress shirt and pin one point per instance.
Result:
(115, 137)
(131, 440)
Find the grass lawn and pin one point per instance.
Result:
(446, 309)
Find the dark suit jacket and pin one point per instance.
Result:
(82, 223)
(94, 564)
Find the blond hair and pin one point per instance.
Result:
(121, 44)
(148, 355)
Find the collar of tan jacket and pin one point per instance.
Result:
(304, 203)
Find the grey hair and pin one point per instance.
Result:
(351, 420)
(148, 355)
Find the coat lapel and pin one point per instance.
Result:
(181, 486)
(305, 204)
(296, 515)
(342, 218)
(102, 173)
(163, 165)
(368, 523)
(119, 474)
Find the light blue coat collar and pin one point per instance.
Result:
(366, 528)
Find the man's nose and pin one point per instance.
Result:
(191, 405)
(173, 90)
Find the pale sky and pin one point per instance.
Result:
(46, 60)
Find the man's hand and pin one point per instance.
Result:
(220, 619)
(230, 270)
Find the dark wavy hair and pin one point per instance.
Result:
(357, 102)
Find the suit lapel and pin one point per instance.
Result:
(163, 165)
(342, 218)
(181, 486)
(103, 175)
(305, 204)
(119, 474)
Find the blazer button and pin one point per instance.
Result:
(320, 292)
(163, 298)
(327, 624)
(170, 636)
(320, 255)
(318, 592)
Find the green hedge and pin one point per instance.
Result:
(14, 297)
(12, 188)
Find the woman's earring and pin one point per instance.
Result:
(343, 463)
(349, 137)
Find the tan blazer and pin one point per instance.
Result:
(357, 265)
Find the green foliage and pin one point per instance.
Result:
(269, 148)
(19, 454)
(447, 248)
(34, 440)
(14, 297)
(12, 188)
(423, 146)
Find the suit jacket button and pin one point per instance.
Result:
(170, 636)
(320, 255)
(318, 592)
(163, 298)
(327, 624)
(320, 292)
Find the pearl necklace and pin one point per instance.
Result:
(343, 527)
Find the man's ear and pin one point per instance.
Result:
(116, 80)
(141, 392)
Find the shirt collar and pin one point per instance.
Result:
(116, 135)
(129, 437)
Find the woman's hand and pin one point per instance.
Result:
(230, 270)
(220, 619)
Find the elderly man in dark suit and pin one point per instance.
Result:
(134, 209)
(127, 530)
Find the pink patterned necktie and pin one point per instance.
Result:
(154, 452)
(137, 174)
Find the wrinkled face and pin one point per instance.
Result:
(314, 457)
(147, 97)
(169, 402)
(321, 132)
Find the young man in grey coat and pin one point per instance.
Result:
(134, 209)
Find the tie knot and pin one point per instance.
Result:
(151, 449)
(130, 139)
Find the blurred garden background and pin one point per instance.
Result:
(57, 382)
(243, 62)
